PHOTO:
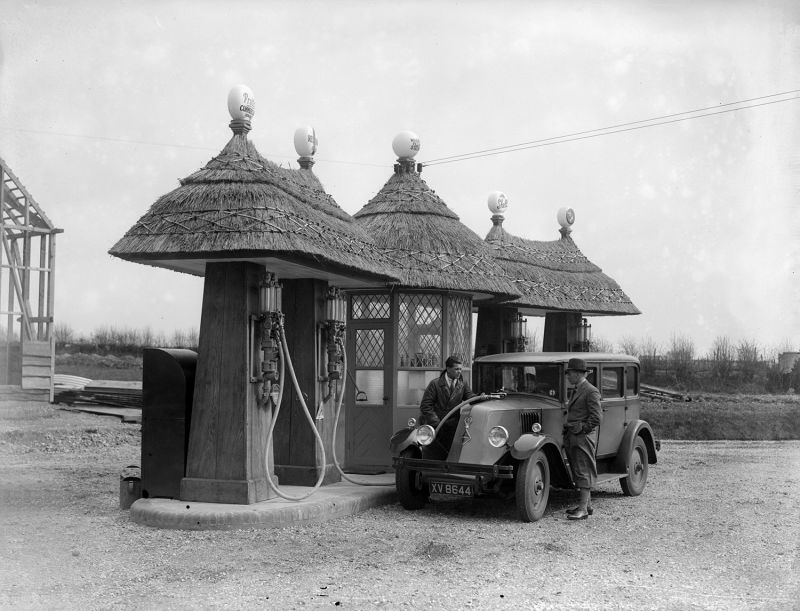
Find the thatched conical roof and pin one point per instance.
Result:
(425, 241)
(556, 275)
(242, 206)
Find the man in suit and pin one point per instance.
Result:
(442, 395)
(580, 435)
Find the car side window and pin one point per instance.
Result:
(631, 381)
(611, 383)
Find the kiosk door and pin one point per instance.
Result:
(368, 423)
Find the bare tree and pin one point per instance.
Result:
(649, 353)
(747, 354)
(601, 344)
(681, 357)
(722, 356)
(63, 333)
(629, 345)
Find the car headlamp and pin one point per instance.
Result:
(425, 435)
(498, 436)
(537, 427)
(412, 422)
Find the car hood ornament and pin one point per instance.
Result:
(466, 437)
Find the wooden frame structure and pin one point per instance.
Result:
(27, 263)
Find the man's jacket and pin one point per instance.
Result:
(584, 413)
(438, 400)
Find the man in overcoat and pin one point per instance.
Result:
(442, 395)
(580, 435)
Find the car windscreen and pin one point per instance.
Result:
(533, 378)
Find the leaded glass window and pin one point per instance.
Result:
(369, 348)
(419, 330)
(371, 306)
(459, 327)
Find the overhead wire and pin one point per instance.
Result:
(572, 137)
(25, 130)
(613, 129)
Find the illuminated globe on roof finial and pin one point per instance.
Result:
(498, 202)
(566, 217)
(241, 103)
(305, 141)
(406, 145)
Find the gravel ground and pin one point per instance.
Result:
(716, 528)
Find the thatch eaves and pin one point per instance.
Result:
(556, 275)
(425, 241)
(242, 206)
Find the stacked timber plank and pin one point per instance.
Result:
(663, 394)
(112, 393)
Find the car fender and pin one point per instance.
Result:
(636, 428)
(527, 444)
(401, 440)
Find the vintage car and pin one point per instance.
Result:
(509, 442)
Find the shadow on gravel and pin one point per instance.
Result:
(505, 510)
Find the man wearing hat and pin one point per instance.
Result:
(580, 435)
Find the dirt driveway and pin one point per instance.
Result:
(716, 528)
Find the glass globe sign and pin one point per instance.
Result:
(406, 145)
(566, 217)
(305, 141)
(498, 202)
(241, 103)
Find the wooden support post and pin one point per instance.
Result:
(492, 332)
(557, 327)
(40, 312)
(226, 460)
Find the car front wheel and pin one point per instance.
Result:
(633, 485)
(533, 487)
(411, 490)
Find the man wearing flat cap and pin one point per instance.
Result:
(580, 435)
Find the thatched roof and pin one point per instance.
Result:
(556, 275)
(425, 241)
(242, 206)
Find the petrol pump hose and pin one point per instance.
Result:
(285, 358)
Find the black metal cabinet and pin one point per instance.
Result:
(167, 392)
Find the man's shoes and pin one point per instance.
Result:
(575, 510)
(578, 515)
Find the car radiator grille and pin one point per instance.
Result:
(527, 420)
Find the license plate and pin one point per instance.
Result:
(451, 489)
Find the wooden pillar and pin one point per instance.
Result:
(297, 454)
(493, 329)
(558, 330)
(226, 459)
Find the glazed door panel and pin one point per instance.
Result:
(612, 425)
(368, 399)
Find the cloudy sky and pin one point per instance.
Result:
(105, 106)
